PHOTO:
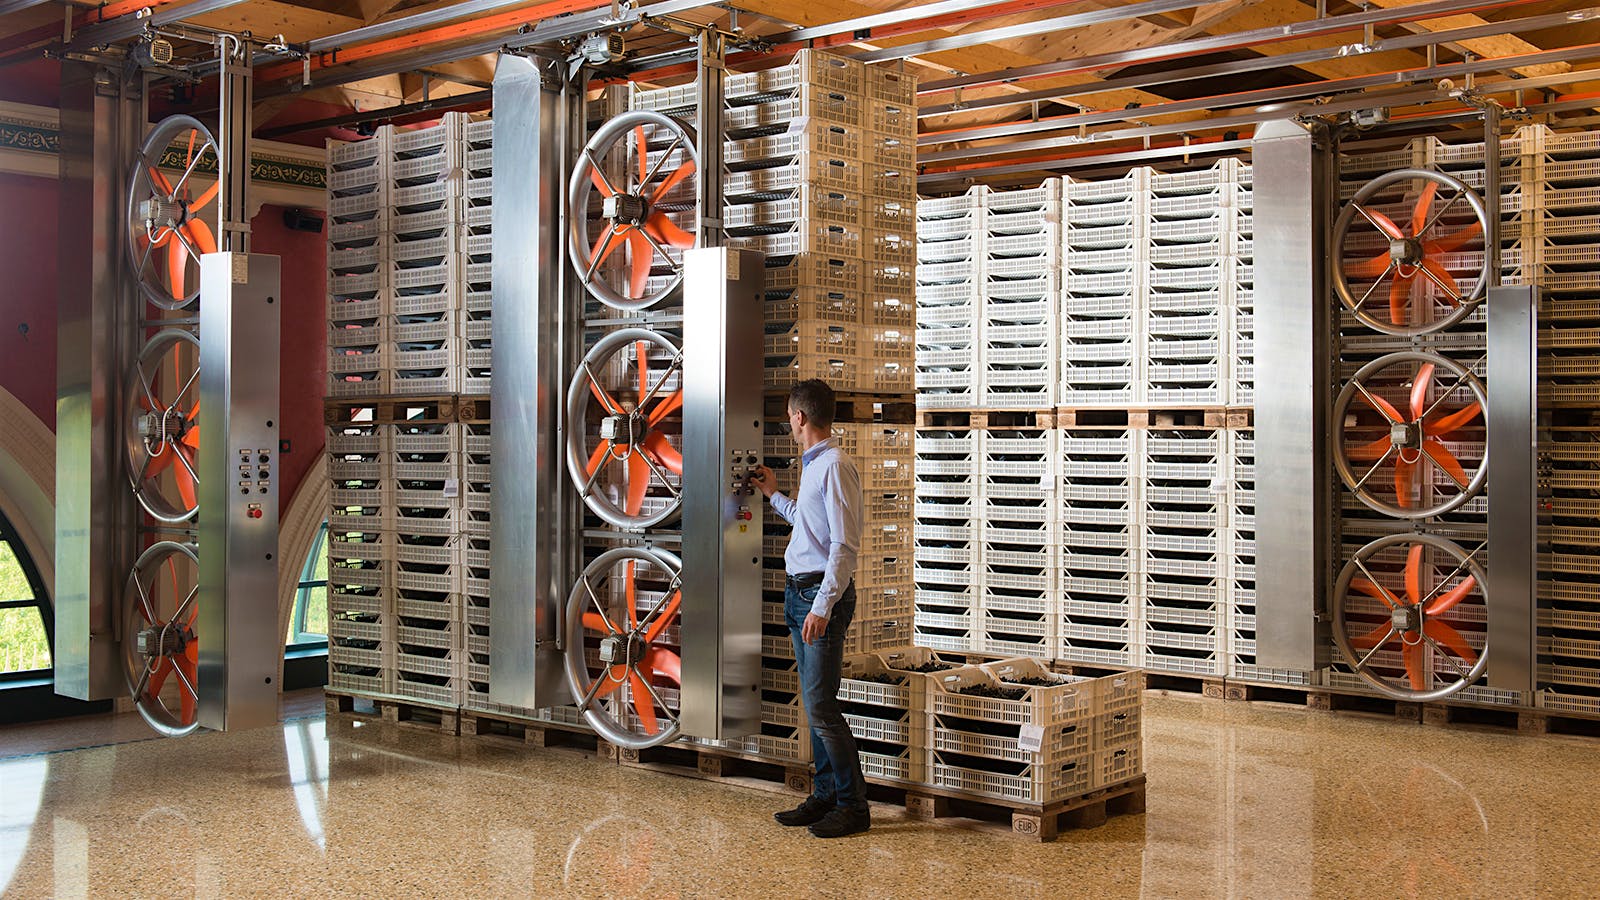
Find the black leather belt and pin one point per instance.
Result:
(809, 579)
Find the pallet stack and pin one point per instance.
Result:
(1020, 281)
(949, 279)
(1106, 223)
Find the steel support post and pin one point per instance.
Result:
(1519, 488)
(536, 540)
(1294, 506)
(233, 145)
(240, 644)
(102, 120)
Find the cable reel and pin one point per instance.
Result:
(621, 626)
(631, 209)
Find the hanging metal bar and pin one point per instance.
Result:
(1029, 29)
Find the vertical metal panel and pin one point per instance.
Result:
(722, 516)
(240, 644)
(96, 314)
(1293, 508)
(533, 525)
(1514, 486)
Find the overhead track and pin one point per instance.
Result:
(46, 33)
(1214, 43)
(1029, 29)
(921, 17)
(1263, 63)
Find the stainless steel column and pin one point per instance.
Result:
(533, 506)
(237, 623)
(1518, 495)
(102, 119)
(723, 290)
(1294, 505)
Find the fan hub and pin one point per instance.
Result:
(627, 429)
(161, 640)
(160, 427)
(623, 649)
(1406, 251)
(632, 209)
(1406, 435)
(1406, 619)
(159, 213)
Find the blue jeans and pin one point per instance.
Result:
(838, 779)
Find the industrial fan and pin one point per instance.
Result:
(627, 207)
(1413, 269)
(622, 427)
(166, 232)
(1395, 424)
(622, 619)
(163, 431)
(160, 651)
(1409, 613)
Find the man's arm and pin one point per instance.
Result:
(841, 490)
(767, 483)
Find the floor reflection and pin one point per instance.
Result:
(1246, 800)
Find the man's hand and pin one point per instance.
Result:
(762, 479)
(814, 627)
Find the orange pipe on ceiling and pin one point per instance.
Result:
(90, 17)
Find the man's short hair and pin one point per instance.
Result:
(814, 398)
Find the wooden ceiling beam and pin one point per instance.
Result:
(1488, 47)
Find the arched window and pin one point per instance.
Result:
(308, 623)
(26, 626)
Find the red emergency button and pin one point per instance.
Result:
(744, 515)
(255, 513)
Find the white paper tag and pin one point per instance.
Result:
(733, 265)
(452, 487)
(241, 268)
(1030, 738)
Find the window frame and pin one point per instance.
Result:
(39, 601)
(302, 642)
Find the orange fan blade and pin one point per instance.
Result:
(163, 459)
(185, 480)
(610, 240)
(664, 663)
(1374, 591)
(1383, 406)
(158, 678)
(1453, 241)
(606, 402)
(599, 183)
(665, 231)
(159, 180)
(595, 622)
(644, 156)
(177, 258)
(633, 596)
(188, 156)
(1440, 272)
(206, 196)
(664, 453)
(1414, 573)
(1445, 460)
(666, 407)
(1419, 214)
(200, 235)
(1403, 477)
(195, 414)
(1399, 298)
(642, 703)
(598, 455)
(1419, 390)
(1452, 639)
(672, 181)
(669, 614)
(641, 352)
(638, 483)
(614, 677)
(1453, 597)
(1371, 268)
(1384, 223)
(188, 664)
(1370, 639)
(191, 439)
(1446, 425)
(642, 253)
(1412, 654)
(1372, 450)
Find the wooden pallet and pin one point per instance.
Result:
(715, 764)
(1035, 821)
(535, 733)
(396, 710)
(1439, 713)
(1156, 417)
(965, 419)
(887, 409)
(390, 410)
(472, 408)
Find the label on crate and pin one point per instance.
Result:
(452, 487)
(1030, 738)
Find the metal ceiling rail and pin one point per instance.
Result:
(1086, 160)
(479, 99)
(1212, 43)
(1249, 98)
(10, 6)
(127, 26)
(546, 31)
(1029, 29)
(52, 32)
(1262, 63)
(860, 28)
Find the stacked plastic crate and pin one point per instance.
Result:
(361, 618)
(359, 302)
(1103, 291)
(1099, 498)
(1019, 529)
(1185, 544)
(884, 456)
(1021, 281)
(1239, 290)
(950, 248)
(948, 573)
(428, 573)
(478, 218)
(425, 259)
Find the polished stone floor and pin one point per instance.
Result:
(1245, 800)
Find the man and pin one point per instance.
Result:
(819, 600)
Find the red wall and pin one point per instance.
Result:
(28, 293)
(28, 296)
